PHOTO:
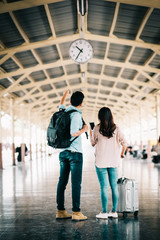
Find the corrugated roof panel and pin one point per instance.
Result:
(24, 81)
(19, 93)
(92, 90)
(118, 52)
(155, 62)
(46, 87)
(128, 73)
(92, 97)
(35, 92)
(140, 55)
(64, 47)
(100, 16)
(93, 81)
(105, 92)
(26, 59)
(120, 85)
(9, 65)
(38, 76)
(102, 98)
(116, 94)
(55, 72)
(48, 54)
(9, 35)
(53, 95)
(107, 83)
(129, 20)
(111, 71)
(94, 68)
(151, 31)
(34, 23)
(74, 81)
(142, 78)
(64, 16)
(61, 84)
(5, 82)
(72, 68)
(99, 49)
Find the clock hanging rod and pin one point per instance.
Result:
(82, 7)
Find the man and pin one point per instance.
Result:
(71, 160)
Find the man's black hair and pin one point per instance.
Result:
(77, 98)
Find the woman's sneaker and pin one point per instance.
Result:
(113, 214)
(102, 215)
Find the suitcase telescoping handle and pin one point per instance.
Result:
(122, 179)
(122, 168)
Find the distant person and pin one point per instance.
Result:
(135, 151)
(108, 140)
(19, 157)
(71, 160)
(156, 158)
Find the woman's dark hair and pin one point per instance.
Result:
(77, 98)
(107, 125)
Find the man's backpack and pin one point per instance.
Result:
(58, 132)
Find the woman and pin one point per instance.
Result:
(108, 140)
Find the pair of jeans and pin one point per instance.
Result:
(70, 162)
(112, 174)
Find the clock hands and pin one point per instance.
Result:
(80, 51)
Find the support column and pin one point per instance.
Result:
(148, 136)
(1, 164)
(12, 131)
(36, 129)
(157, 100)
(140, 128)
(22, 136)
(30, 134)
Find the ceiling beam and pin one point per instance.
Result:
(14, 6)
(58, 63)
(89, 36)
(144, 3)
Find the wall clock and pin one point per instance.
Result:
(81, 51)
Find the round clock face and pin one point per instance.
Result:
(81, 51)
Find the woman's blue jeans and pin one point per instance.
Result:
(112, 174)
(70, 162)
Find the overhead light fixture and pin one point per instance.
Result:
(82, 6)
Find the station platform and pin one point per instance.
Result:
(28, 202)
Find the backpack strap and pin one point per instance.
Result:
(69, 112)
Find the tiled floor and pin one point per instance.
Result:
(28, 202)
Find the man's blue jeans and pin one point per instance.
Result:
(103, 180)
(70, 162)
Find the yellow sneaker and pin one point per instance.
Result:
(78, 216)
(62, 214)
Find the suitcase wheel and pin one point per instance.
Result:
(124, 214)
(136, 213)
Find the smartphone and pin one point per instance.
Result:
(92, 125)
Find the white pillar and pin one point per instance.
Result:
(1, 164)
(12, 130)
(157, 116)
(140, 128)
(22, 134)
(30, 134)
(148, 137)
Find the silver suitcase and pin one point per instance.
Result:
(128, 195)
